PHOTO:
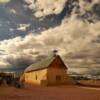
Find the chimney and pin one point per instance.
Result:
(55, 52)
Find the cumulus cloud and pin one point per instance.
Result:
(70, 37)
(46, 7)
(23, 27)
(4, 1)
(86, 5)
(13, 11)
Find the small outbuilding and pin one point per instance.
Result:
(49, 71)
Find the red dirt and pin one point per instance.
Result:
(50, 93)
(90, 82)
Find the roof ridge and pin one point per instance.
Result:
(42, 64)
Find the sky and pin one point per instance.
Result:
(32, 29)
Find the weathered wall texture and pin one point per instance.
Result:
(54, 74)
(36, 77)
(57, 73)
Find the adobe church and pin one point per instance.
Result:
(49, 71)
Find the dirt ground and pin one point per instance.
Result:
(50, 93)
(92, 83)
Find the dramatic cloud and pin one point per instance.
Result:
(87, 5)
(76, 36)
(71, 36)
(4, 1)
(46, 7)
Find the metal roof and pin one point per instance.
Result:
(44, 63)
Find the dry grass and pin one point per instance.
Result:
(50, 93)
